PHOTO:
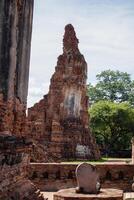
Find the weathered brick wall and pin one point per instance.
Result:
(53, 177)
(15, 42)
(13, 171)
(12, 117)
(14, 165)
(60, 121)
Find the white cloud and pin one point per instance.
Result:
(105, 31)
(37, 90)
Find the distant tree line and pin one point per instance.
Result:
(112, 111)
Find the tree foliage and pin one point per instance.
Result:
(111, 85)
(113, 124)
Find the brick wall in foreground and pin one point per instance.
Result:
(54, 176)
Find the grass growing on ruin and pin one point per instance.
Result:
(90, 161)
(102, 160)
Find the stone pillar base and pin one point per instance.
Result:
(104, 194)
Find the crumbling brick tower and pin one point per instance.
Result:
(63, 115)
(15, 41)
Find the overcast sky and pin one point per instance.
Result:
(105, 29)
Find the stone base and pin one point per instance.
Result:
(105, 194)
(129, 196)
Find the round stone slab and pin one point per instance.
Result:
(87, 179)
(104, 194)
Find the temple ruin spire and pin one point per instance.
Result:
(61, 118)
(70, 41)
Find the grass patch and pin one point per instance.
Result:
(86, 161)
(102, 160)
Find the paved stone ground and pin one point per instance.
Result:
(48, 195)
(118, 160)
(129, 196)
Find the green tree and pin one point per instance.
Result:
(112, 85)
(113, 124)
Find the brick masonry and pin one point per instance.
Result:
(15, 42)
(52, 177)
(59, 123)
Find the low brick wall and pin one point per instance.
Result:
(55, 176)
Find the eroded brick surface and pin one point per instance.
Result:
(59, 122)
(56, 176)
(15, 42)
(12, 116)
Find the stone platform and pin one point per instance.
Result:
(105, 194)
(129, 196)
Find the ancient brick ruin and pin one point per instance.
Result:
(56, 176)
(59, 123)
(57, 127)
(15, 42)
